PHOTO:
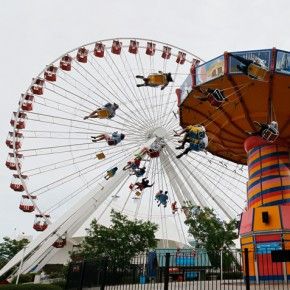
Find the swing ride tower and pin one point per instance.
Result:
(264, 224)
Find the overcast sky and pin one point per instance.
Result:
(34, 33)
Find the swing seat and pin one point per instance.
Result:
(216, 98)
(270, 135)
(138, 193)
(112, 142)
(153, 154)
(103, 114)
(257, 72)
(100, 156)
(156, 80)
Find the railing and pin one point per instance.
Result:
(182, 269)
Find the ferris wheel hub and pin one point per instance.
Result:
(158, 132)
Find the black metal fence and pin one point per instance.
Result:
(178, 269)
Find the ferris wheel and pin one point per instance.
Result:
(89, 129)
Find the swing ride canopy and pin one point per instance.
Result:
(247, 101)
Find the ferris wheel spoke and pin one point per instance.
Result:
(171, 190)
(101, 93)
(77, 127)
(76, 86)
(139, 201)
(118, 190)
(70, 196)
(70, 100)
(148, 93)
(146, 122)
(131, 112)
(136, 91)
(70, 120)
(59, 104)
(166, 107)
(71, 93)
(226, 211)
(216, 185)
(70, 177)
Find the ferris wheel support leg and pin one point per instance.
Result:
(183, 168)
(78, 214)
(177, 184)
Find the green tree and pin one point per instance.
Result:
(212, 233)
(118, 243)
(9, 248)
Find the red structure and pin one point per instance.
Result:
(50, 73)
(166, 53)
(16, 183)
(11, 161)
(150, 49)
(41, 222)
(19, 118)
(25, 203)
(134, 46)
(37, 86)
(27, 104)
(116, 47)
(99, 49)
(65, 62)
(82, 55)
(18, 140)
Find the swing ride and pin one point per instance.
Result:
(66, 177)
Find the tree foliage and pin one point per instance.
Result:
(9, 248)
(118, 243)
(212, 233)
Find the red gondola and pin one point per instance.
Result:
(59, 243)
(166, 53)
(40, 222)
(18, 138)
(25, 203)
(27, 104)
(116, 47)
(20, 117)
(99, 49)
(181, 57)
(11, 161)
(50, 73)
(150, 49)
(82, 55)
(37, 87)
(134, 46)
(65, 62)
(16, 183)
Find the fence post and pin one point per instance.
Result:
(247, 276)
(104, 274)
(166, 273)
(222, 270)
(82, 274)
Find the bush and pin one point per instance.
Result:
(25, 278)
(30, 287)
